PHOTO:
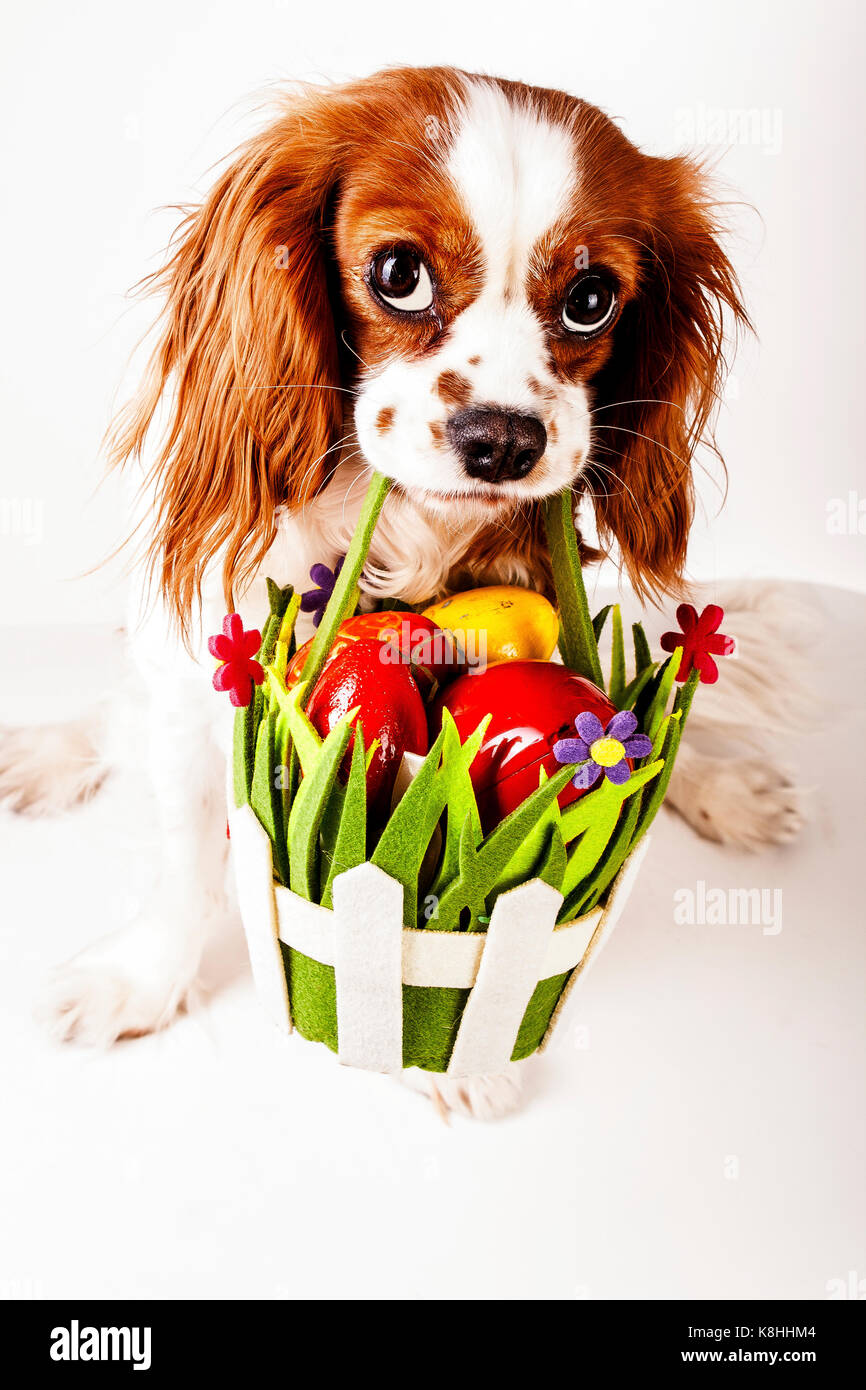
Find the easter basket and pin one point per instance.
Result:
(426, 934)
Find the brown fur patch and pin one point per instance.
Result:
(511, 548)
(437, 430)
(394, 188)
(453, 389)
(475, 361)
(385, 419)
(546, 393)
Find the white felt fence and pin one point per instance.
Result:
(373, 954)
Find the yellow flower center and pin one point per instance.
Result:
(607, 752)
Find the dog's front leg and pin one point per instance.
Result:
(135, 980)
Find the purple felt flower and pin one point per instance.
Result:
(602, 750)
(316, 600)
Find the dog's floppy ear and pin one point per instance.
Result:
(249, 345)
(655, 397)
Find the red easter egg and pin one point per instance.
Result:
(389, 707)
(533, 704)
(412, 640)
(296, 665)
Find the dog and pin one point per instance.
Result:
(486, 292)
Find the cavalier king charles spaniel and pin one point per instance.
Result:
(483, 290)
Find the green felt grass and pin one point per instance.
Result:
(538, 1013)
(465, 900)
(593, 819)
(284, 604)
(403, 842)
(293, 721)
(431, 1015)
(458, 796)
(600, 619)
(577, 642)
(309, 808)
(345, 594)
(642, 654)
(541, 854)
(346, 846)
(616, 688)
(551, 869)
(634, 688)
(660, 688)
(589, 892)
(266, 797)
(244, 752)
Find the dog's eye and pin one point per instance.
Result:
(401, 278)
(590, 304)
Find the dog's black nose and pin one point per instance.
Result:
(497, 446)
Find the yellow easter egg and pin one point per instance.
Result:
(501, 623)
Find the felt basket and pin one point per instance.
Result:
(344, 958)
(383, 996)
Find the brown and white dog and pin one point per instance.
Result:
(482, 290)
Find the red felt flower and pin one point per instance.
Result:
(236, 650)
(700, 641)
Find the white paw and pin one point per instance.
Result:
(478, 1097)
(743, 801)
(48, 768)
(125, 985)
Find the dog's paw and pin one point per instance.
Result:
(124, 986)
(477, 1097)
(48, 769)
(746, 802)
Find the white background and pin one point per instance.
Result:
(110, 111)
(702, 1133)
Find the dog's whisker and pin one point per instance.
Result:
(628, 494)
(625, 489)
(362, 473)
(638, 400)
(338, 444)
(348, 345)
(295, 386)
(639, 435)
